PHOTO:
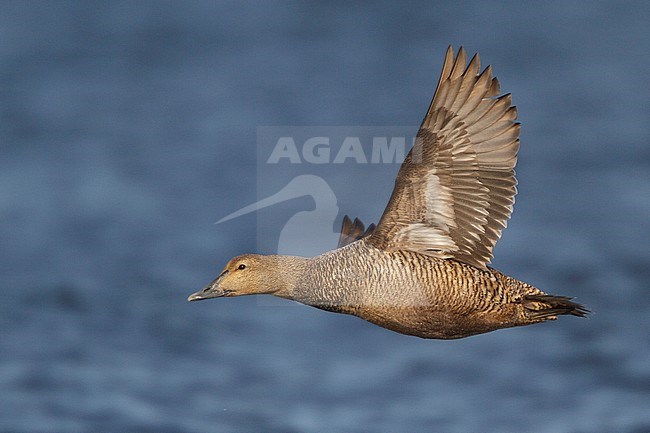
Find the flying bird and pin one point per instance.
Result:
(423, 270)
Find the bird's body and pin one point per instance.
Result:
(417, 294)
(411, 293)
(423, 270)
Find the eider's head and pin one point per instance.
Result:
(248, 274)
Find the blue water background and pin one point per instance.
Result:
(128, 128)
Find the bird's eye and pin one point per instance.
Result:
(242, 266)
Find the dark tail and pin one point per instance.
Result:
(540, 307)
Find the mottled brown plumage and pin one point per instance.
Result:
(423, 269)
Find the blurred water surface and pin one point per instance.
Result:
(128, 128)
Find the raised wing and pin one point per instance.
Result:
(455, 190)
(352, 231)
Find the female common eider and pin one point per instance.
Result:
(423, 269)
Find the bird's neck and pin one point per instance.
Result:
(312, 282)
(288, 274)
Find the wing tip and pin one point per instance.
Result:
(352, 231)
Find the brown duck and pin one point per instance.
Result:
(423, 269)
